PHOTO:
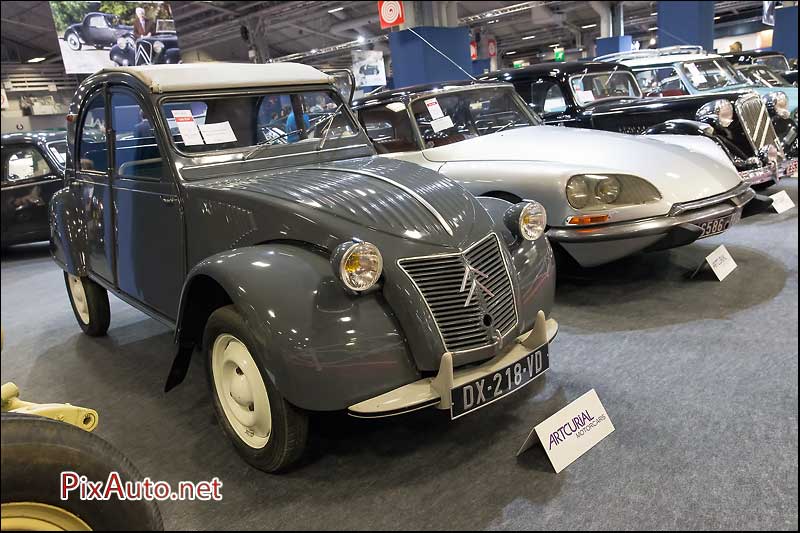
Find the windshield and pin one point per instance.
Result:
(778, 62)
(233, 122)
(764, 76)
(454, 116)
(59, 151)
(595, 86)
(165, 26)
(710, 74)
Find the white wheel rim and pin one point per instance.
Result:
(73, 41)
(79, 298)
(241, 391)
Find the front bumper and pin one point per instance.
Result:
(603, 243)
(770, 174)
(436, 391)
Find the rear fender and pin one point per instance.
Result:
(322, 347)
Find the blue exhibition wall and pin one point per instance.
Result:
(414, 62)
(784, 38)
(686, 23)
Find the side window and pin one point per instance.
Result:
(23, 163)
(136, 152)
(664, 81)
(546, 97)
(98, 22)
(389, 128)
(93, 147)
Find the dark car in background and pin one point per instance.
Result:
(774, 60)
(101, 30)
(160, 47)
(606, 96)
(33, 170)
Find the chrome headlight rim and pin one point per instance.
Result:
(122, 42)
(345, 267)
(526, 220)
(777, 102)
(718, 111)
(158, 47)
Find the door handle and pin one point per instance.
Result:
(169, 200)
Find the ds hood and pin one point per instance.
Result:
(681, 173)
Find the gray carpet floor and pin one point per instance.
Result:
(699, 378)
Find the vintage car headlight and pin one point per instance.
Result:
(527, 220)
(358, 264)
(122, 42)
(158, 47)
(719, 111)
(777, 103)
(596, 192)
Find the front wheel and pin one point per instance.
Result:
(73, 41)
(266, 430)
(89, 303)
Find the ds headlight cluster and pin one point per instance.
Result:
(777, 103)
(596, 192)
(717, 111)
(527, 220)
(357, 264)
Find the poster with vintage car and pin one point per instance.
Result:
(93, 35)
(368, 68)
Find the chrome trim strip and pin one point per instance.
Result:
(283, 156)
(462, 255)
(31, 184)
(392, 182)
(677, 209)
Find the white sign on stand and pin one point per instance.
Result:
(721, 262)
(572, 431)
(781, 202)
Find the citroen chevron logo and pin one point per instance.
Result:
(472, 273)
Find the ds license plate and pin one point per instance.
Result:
(492, 387)
(715, 226)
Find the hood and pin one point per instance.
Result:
(384, 195)
(680, 173)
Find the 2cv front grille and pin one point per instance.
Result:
(756, 121)
(463, 325)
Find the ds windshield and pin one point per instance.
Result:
(710, 74)
(764, 76)
(454, 116)
(231, 122)
(595, 86)
(778, 62)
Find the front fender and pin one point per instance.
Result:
(322, 347)
(681, 127)
(68, 233)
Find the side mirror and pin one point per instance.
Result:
(345, 83)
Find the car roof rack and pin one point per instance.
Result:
(656, 52)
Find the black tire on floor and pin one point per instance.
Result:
(36, 450)
(99, 311)
(289, 435)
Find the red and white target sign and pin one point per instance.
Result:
(391, 13)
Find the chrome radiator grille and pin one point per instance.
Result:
(469, 294)
(756, 121)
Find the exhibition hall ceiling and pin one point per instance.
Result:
(213, 30)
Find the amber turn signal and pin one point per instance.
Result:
(587, 219)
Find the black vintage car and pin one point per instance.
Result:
(101, 30)
(606, 96)
(33, 170)
(774, 60)
(160, 47)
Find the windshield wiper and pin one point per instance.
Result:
(504, 126)
(269, 142)
(330, 125)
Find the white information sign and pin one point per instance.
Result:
(218, 133)
(721, 262)
(187, 127)
(781, 202)
(434, 109)
(441, 124)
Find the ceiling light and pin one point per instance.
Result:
(528, 37)
(492, 21)
(654, 13)
(314, 50)
(587, 26)
(652, 40)
(717, 18)
(554, 45)
(654, 28)
(360, 39)
(511, 53)
(37, 60)
(335, 9)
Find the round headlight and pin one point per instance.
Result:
(122, 42)
(607, 190)
(532, 221)
(578, 194)
(158, 47)
(358, 264)
(778, 103)
(719, 111)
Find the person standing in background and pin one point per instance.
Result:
(142, 27)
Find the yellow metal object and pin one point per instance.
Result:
(81, 417)
(32, 516)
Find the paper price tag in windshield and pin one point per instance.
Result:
(434, 109)
(442, 123)
(697, 77)
(187, 127)
(218, 133)
(586, 96)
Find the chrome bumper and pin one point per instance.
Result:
(436, 391)
(687, 213)
(770, 174)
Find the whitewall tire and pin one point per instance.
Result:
(73, 41)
